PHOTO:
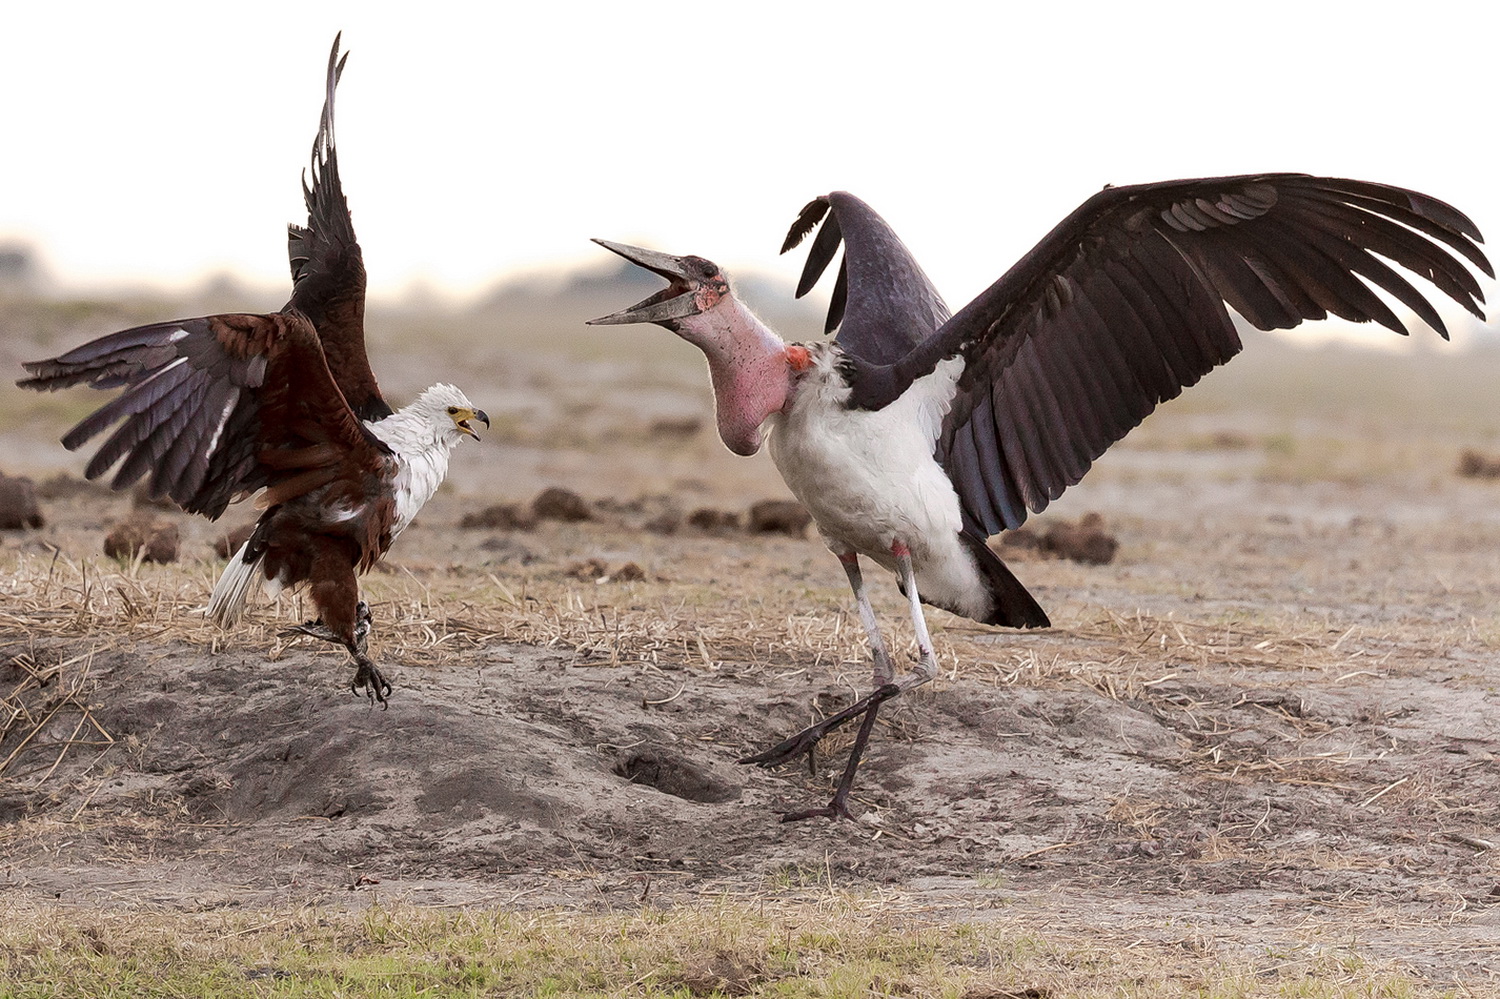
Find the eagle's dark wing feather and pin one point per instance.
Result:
(882, 304)
(328, 271)
(1123, 305)
(215, 408)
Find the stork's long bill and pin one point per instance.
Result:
(751, 367)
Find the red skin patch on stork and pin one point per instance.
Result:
(899, 550)
(798, 357)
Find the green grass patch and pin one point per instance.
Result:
(838, 946)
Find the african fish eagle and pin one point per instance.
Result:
(220, 407)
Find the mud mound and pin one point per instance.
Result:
(519, 760)
(1085, 541)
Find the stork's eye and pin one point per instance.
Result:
(452, 410)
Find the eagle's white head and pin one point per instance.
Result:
(432, 423)
(441, 414)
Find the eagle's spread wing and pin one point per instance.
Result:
(217, 407)
(1126, 302)
(882, 304)
(328, 271)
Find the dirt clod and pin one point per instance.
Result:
(666, 522)
(159, 539)
(556, 503)
(1086, 541)
(590, 570)
(712, 521)
(230, 541)
(1473, 464)
(778, 517)
(500, 517)
(596, 570)
(18, 504)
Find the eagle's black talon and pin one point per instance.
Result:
(368, 676)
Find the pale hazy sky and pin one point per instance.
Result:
(160, 142)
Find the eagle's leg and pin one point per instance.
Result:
(869, 705)
(364, 623)
(366, 674)
(345, 619)
(317, 629)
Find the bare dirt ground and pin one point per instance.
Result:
(1268, 728)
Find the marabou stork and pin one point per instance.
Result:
(914, 434)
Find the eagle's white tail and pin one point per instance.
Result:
(233, 588)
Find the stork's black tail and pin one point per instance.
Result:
(1014, 607)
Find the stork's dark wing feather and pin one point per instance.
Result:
(328, 270)
(883, 304)
(1123, 305)
(215, 408)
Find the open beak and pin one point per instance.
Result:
(678, 300)
(464, 420)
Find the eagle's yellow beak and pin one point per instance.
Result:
(463, 420)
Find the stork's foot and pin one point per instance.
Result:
(805, 740)
(835, 809)
(838, 806)
(368, 676)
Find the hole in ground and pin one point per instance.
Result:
(670, 774)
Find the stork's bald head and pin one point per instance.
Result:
(748, 363)
(694, 286)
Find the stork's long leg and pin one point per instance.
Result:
(927, 667)
(869, 705)
(883, 671)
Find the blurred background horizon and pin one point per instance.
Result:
(157, 149)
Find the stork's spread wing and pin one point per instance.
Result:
(328, 270)
(215, 408)
(883, 304)
(1123, 305)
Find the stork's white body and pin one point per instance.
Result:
(870, 480)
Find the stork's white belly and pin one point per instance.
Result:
(869, 479)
